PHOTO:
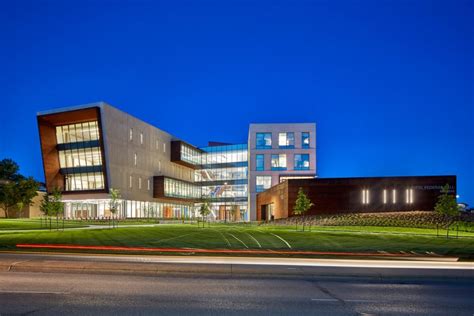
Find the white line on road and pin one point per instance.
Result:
(30, 292)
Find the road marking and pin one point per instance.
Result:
(238, 240)
(254, 239)
(289, 246)
(324, 300)
(30, 292)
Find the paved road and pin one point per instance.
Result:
(59, 293)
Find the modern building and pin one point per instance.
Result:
(89, 149)
(352, 195)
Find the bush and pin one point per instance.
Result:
(415, 219)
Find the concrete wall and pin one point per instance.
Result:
(275, 129)
(153, 155)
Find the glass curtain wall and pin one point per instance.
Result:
(80, 156)
(223, 179)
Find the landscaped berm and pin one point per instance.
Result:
(350, 236)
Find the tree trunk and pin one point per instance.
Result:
(6, 212)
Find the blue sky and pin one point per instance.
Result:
(389, 83)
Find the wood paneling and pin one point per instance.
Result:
(344, 195)
(47, 131)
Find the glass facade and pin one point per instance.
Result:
(100, 208)
(84, 181)
(80, 156)
(81, 132)
(263, 183)
(301, 161)
(286, 140)
(190, 154)
(279, 162)
(305, 140)
(222, 177)
(259, 162)
(181, 189)
(264, 140)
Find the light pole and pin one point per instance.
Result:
(225, 203)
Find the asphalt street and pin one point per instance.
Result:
(230, 286)
(61, 293)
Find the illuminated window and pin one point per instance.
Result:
(301, 162)
(84, 181)
(131, 134)
(164, 147)
(278, 162)
(409, 196)
(139, 182)
(286, 140)
(159, 165)
(365, 197)
(135, 159)
(394, 196)
(305, 140)
(148, 185)
(264, 140)
(384, 196)
(157, 144)
(263, 183)
(141, 138)
(130, 181)
(260, 162)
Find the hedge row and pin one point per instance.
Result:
(417, 219)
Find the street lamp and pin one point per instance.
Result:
(225, 202)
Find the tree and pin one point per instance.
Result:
(447, 206)
(302, 205)
(9, 170)
(52, 205)
(18, 192)
(57, 205)
(204, 211)
(114, 195)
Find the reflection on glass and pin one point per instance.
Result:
(301, 161)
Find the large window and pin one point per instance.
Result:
(263, 183)
(260, 162)
(181, 189)
(84, 157)
(302, 162)
(286, 140)
(305, 140)
(81, 132)
(264, 140)
(279, 162)
(84, 181)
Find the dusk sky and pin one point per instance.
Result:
(388, 83)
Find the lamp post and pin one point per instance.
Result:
(225, 203)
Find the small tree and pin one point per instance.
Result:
(447, 206)
(204, 211)
(302, 205)
(52, 205)
(114, 195)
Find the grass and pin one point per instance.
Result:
(26, 224)
(246, 237)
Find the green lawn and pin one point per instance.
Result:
(243, 237)
(387, 229)
(17, 224)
